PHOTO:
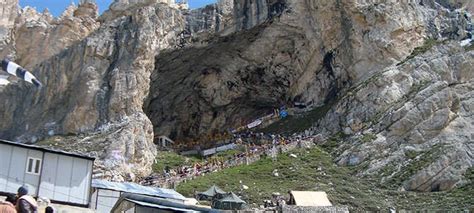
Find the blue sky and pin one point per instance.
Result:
(56, 7)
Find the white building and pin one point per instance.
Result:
(106, 194)
(62, 177)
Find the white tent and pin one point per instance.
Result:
(309, 198)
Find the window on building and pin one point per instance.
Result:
(33, 166)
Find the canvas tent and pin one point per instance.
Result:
(229, 202)
(212, 193)
(309, 198)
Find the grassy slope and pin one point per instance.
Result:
(297, 123)
(341, 185)
(174, 160)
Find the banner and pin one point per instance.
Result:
(254, 124)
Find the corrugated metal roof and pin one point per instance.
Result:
(151, 205)
(137, 189)
(159, 202)
(310, 198)
(44, 149)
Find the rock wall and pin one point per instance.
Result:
(109, 85)
(38, 36)
(97, 87)
(229, 16)
(420, 117)
(317, 50)
(8, 15)
(317, 53)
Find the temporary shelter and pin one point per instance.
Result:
(229, 202)
(212, 193)
(309, 198)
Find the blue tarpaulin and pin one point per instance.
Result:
(283, 113)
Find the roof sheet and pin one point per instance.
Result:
(137, 189)
(310, 198)
(159, 202)
(151, 205)
(44, 149)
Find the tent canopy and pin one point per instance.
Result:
(309, 198)
(232, 198)
(230, 202)
(211, 192)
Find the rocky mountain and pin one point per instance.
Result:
(394, 80)
(96, 85)
(393, 76)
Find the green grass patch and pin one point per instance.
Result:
(419, 161)
(469, 47)
(173, 160)
(470, 174)
(299, 173)
(411, 154)
(332, 144)
(230, 153)
(339, 182)
(369, 137)
(298, 123)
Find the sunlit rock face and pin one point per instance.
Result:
(96, 77)
(392, 75)
(250, 57)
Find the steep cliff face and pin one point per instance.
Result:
(9, 12)
(96, 88)
(8, 15)
(38, 36)
(317, 53)
(412, 122)
(392, 76)
(308, 53)
(229, 16)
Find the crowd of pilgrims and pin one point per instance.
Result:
(252, 146)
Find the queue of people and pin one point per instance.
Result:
(22, 202)
(257, 145)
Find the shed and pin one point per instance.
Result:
(63, 177)
(309, 198)
(141, 203)
(106, 193)
(230, 202)
(213, 192)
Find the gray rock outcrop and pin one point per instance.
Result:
(419, 113)
(229, 16)
(96, 86)
(317, 53)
